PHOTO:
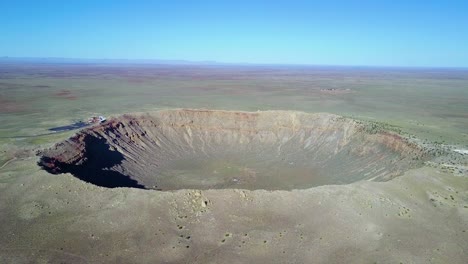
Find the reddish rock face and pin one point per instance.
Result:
(203, 149)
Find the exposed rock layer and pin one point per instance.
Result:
(201, 149)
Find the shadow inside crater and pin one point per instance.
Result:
(96, 167)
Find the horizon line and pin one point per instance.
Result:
(123, 61)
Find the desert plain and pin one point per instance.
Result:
(233, 164)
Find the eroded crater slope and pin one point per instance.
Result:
(204, 149)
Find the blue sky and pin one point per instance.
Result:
(365, 32)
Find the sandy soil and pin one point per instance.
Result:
(420, 217)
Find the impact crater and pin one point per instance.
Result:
(211, 149)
